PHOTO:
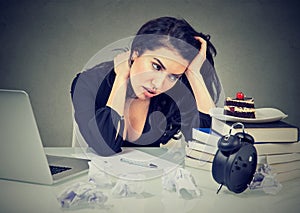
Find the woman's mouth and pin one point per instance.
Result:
(149, 92)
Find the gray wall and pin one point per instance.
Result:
(45, 43)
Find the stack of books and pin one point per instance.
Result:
(277, 144)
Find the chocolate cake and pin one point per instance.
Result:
(240, 106)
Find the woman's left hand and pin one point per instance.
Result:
(197, 62)
(202, 96)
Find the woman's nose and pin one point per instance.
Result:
(159, 79)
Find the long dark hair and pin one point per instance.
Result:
(179, 35)
(173, 33)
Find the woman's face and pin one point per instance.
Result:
(155, 72)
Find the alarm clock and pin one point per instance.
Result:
(235, 161)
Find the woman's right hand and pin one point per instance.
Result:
(121, 65)
(117, 95)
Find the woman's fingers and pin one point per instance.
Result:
(203, 46)
(200, 57)
(121, 64)
(121, 58)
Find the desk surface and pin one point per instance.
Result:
(26, 197)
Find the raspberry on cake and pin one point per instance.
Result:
(240, 106)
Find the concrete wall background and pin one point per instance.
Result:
(45, 43)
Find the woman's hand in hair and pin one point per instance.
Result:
(121, 65)
(202, 96)
(197, 62)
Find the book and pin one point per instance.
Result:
(262, 149)
(195, 145)
(199, 155)
(277, 148)
(278, 131)
(198, 164)
(209, 157)
(286, 176)
(280, 158)
(207, 166)
(285, 167)
(283, 158)
(208, 143)
(205, 135)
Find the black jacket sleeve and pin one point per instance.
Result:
(101, 127)
(106, 129)
(189, 117)
(205, 120)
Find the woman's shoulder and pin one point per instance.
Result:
(93, 77)
(98, 71)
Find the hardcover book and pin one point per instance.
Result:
(280, 158)
(284, 158)
(274, 132)
(208, 143)
(199, 155)
(195, 163)
(290, 175)
(285, 167)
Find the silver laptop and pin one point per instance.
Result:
(22, 155)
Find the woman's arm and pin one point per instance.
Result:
(117, 96)
(96, 127)
(102, 126)
(203, 99)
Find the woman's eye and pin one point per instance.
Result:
(156, 66)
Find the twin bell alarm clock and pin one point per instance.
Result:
(235, 161)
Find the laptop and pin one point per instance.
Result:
(22, 155)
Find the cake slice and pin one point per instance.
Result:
(240, 106)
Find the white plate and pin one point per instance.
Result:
(263, 115)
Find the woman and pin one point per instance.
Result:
(147, 95)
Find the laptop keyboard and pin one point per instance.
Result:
(58, 169)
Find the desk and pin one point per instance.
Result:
(31, 198)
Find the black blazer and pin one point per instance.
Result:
(102, 127)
